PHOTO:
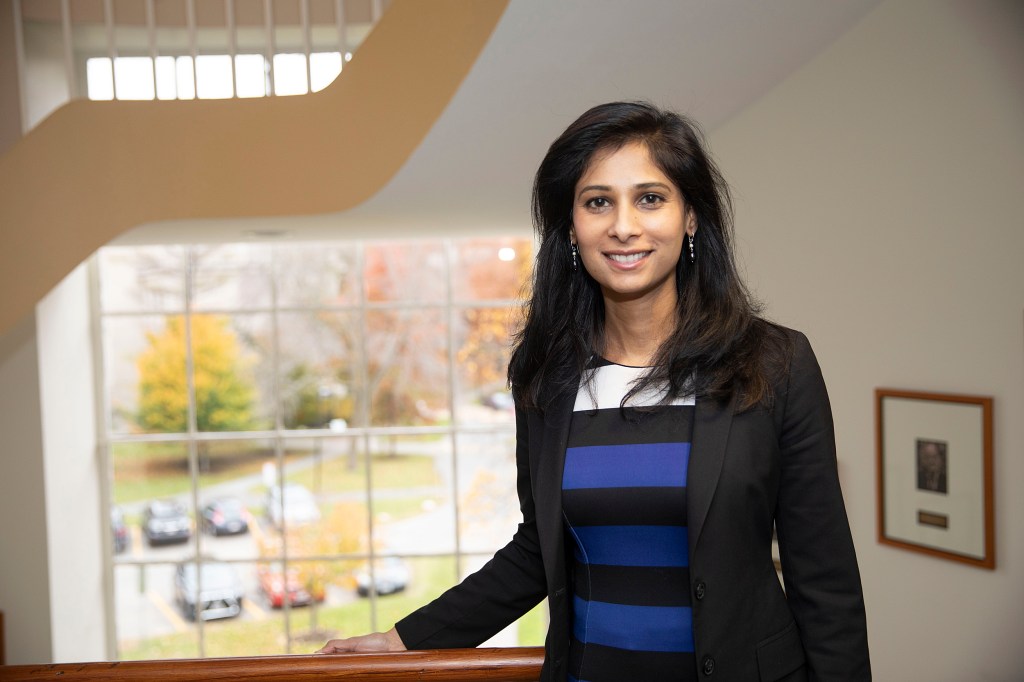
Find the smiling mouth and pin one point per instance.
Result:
(626, 258)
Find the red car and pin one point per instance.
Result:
(302, 589)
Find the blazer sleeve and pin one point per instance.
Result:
(819, 565)
(506, 587)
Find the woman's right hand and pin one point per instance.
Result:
(373, 642)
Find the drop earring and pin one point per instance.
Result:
(691, 248)
(575, 252)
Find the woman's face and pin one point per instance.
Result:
(629, 220)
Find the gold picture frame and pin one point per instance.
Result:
(934, 474)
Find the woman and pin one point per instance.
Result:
(663, 430)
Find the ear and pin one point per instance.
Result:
(691, 222)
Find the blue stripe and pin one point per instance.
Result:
(633, 545)
(654, 465)
(636, 628)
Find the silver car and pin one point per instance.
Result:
(221, 590)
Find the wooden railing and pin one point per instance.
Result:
(462, 665)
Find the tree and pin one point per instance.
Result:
(224, 396)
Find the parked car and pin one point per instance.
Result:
(390, 575)
(120, 531)
(165, 521)
(221, 595)
(301, 586)
(294, 506)
(226, 516)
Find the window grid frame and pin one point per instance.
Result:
(279, 435)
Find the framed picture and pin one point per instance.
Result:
(935, 474)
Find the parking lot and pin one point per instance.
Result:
(409, 521)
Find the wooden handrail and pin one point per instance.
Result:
(462, 665)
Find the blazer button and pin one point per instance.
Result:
(700, 590)
(709, 665)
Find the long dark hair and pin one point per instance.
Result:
(719, 344)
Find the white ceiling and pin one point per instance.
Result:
(548, 61)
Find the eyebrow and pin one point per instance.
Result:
(607, 188)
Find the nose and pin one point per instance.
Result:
(626, 223)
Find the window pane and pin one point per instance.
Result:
(150, 622)
(144, 359)
(142, 279)
(407, 366)
(413, 500)
(134, 77)
(213, 76)
(324, 68)
(424, 579)
(258, 629)
(491, 269)
(290, 74)
(482, 342)
(405, 271)
(323, 510)
(316, 275)
(144, 472)
(233, 372)
(158, 504)
(231, 276)
(488, 505)
(231, 493)
(320, 376)
(251, 75)
(342, 613)
(99, 78)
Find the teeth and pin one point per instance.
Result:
(627, 257)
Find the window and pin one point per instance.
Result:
(304, 440)
(214, 76)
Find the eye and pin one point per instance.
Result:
(597, 202)
(651, 199)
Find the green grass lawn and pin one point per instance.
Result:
(388, 471)
(145, 471)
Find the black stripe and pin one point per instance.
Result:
(625, 506)
(667, 424)
(633, 585)
(608, 664)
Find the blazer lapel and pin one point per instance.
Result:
(707, 452)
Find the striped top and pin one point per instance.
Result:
(624, 500)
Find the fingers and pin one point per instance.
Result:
(374, 642)
(334, 646)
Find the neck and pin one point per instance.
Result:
(634, 330)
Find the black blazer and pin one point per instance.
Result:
(747, 471)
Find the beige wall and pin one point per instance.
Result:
(77, 530)
(879, 209)
(24, 562)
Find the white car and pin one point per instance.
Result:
(296, 506)
(390, 575)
